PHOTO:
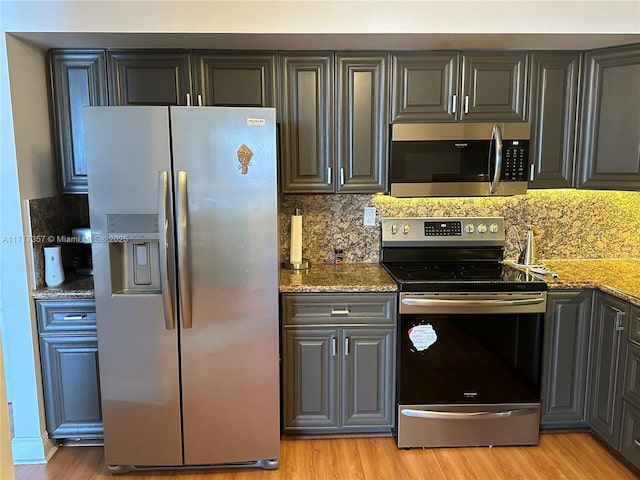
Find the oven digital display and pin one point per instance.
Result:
(443, 229)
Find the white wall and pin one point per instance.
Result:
(26, 164)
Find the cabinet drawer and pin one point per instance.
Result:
(62, 316)
(310, 309)
(630, 438)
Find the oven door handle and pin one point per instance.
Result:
(409, 412)
(432, 302)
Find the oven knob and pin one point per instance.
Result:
(469, 228)
(493, 228)
(482, 228)
(406, 229)
(393, 229)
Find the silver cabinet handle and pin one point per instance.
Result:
(75, 317)
(183, 254)
(619, 321)
(426, 302)
(328, 175)
(466, 104)
(637, 442)
(339, 313)
(334, 346)
(341, 176)
(496, 134)
(454, 102)
(164, 233)
(409, 412)
(346, 345)
(199, 100)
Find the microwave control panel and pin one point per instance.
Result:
(515, 160)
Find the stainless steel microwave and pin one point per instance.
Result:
(459, 159)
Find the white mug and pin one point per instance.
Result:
(53, 271)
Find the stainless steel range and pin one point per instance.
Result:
(469, 334)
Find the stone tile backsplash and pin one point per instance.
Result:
(567, 223)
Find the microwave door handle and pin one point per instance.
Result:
(496, 135)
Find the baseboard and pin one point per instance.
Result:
(30, 450)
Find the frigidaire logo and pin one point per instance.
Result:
(470, 394)
(461, 145)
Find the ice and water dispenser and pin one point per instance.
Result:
(133, 253)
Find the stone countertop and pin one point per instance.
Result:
(618, 277)
(346, 277)
(73, 287)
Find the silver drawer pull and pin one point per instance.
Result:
(339, 313)
(409, 412)
(75, 317)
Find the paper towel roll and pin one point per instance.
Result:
(295, 252)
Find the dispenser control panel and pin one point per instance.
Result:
(132, 226)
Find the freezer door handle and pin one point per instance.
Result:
(410, 412)
(183, 260)
(164, 231)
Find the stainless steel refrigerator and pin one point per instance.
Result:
(183, 212)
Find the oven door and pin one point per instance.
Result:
(470, 358)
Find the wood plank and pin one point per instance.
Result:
(559, 456)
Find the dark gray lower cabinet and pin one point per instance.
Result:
(338, 362)
(630, 435)
(69, 359)
(565, 357)
(608, 349)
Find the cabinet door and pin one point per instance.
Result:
(424, 87)
(149, 77)
(363, 98)
(235, 79)
(368, 380)
(610, 133)
(554, 96)
(564, 359)
(310, 379)
(306, 109)
(493, 86)
(71, 389)
(78, 79)
(607, 351)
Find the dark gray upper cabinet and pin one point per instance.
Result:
(493, 86)
(425, 87)
(78, 79)
(239, 79)
(606, 366)
(553, 100)
(334, 120)
(610, 127)
(149, 77)
(361, 129)
(306, 113)
(565, 359)
(466, 86)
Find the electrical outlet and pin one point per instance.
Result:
(369, 216)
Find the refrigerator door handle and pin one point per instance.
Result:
(163, 223)
(183, 260)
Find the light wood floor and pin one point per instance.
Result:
(559, 456)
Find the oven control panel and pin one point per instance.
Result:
(442, 231)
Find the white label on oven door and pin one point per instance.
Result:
(422, 336)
